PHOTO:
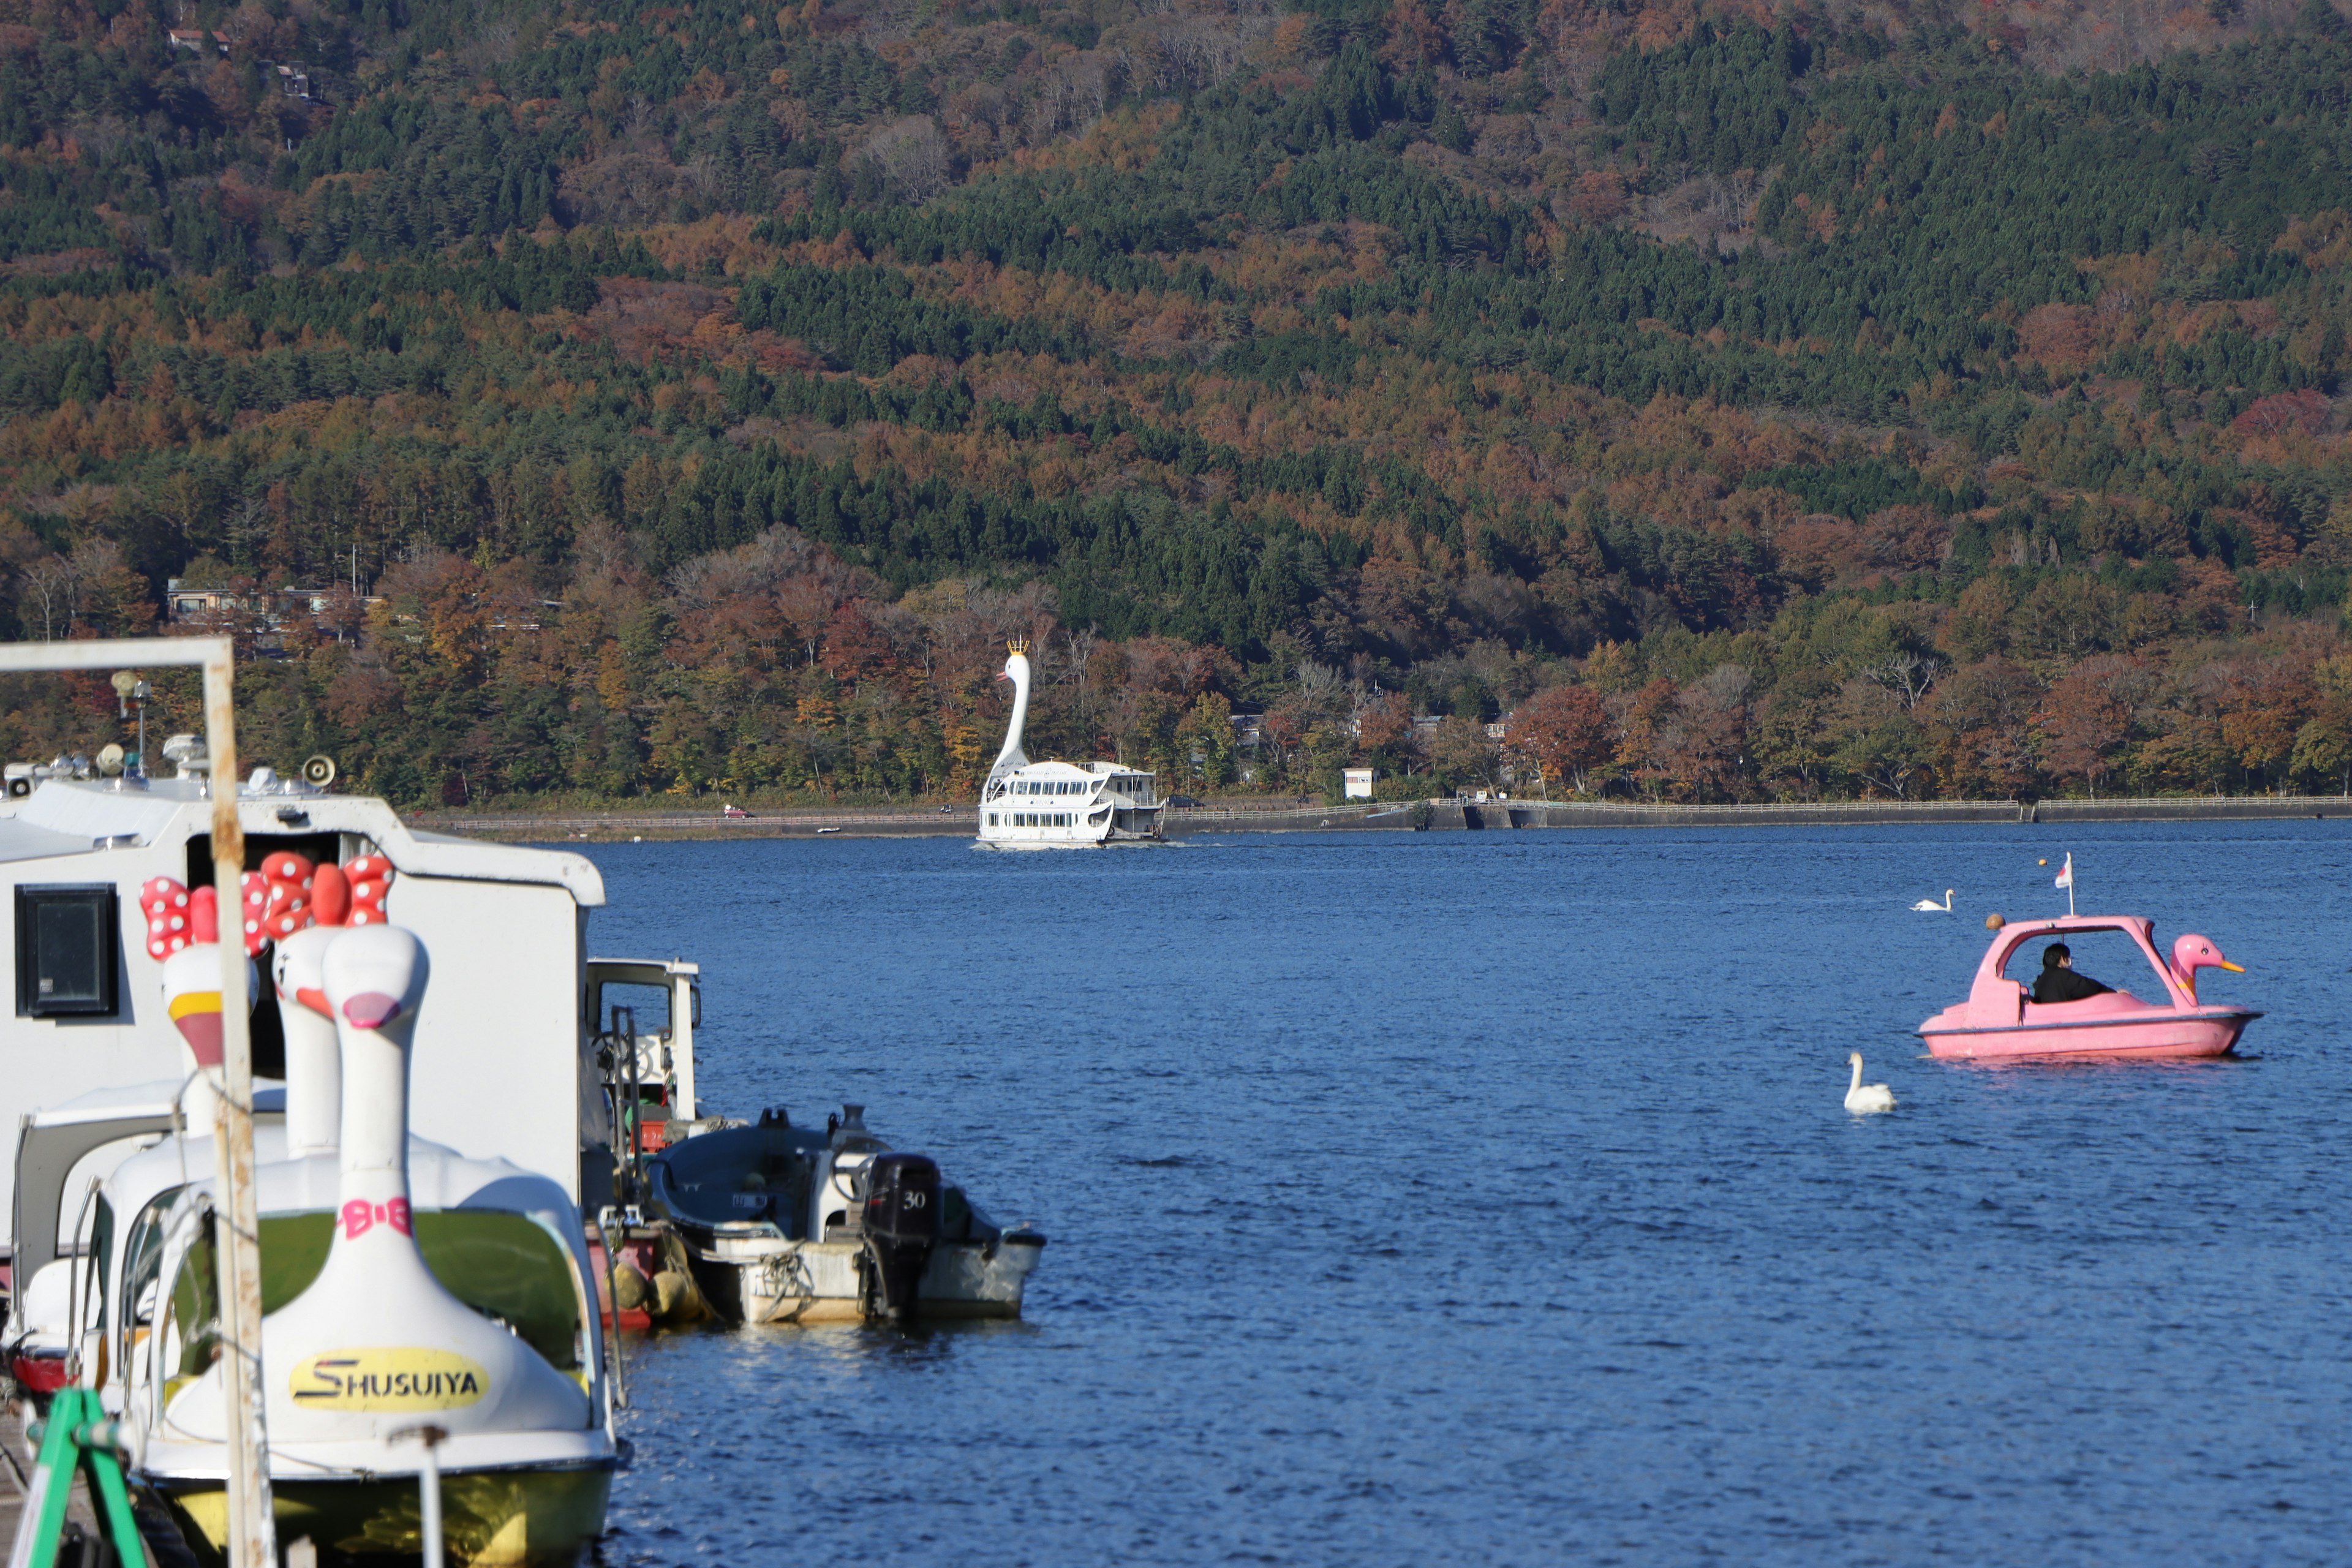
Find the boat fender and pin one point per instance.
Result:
(631, 1291)
(677, 1270)
(671, 1293)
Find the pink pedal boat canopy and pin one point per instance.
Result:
(2000, 1017)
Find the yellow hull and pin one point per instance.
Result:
(491, 1518)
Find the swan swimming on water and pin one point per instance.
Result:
(1861, 1099)
(1931, 905)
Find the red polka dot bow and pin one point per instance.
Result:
(172, 914)
(285, 894)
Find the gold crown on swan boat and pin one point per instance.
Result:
(1016, 645)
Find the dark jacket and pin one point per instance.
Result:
(2058, 984)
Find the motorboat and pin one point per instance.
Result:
(800, 1225)
(2000, 1018)
(768, 1221)
(1026, 804)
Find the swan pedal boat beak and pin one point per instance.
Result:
(2000, 1020)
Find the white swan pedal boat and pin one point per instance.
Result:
(402, 1284)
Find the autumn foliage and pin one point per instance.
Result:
(1708, 402)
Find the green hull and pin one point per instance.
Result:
(492, 1519)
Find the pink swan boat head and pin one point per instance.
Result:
(2192, 952)
(2000, 1018)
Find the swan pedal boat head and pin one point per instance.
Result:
(2001, 1019)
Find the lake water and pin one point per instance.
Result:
(1487, 1198)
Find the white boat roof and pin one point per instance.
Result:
(77, 816)
(124, 1101)
(1076, 770)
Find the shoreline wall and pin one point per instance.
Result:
(1440, 816)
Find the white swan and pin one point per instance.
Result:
(1932, 907)
(1862, 1101)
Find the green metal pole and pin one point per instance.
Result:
(102, 1470)
(45, 1506)
(78, 1435)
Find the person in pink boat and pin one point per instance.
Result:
(2059, 983)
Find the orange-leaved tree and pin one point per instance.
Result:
(1564, 732)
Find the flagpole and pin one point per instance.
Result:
(2069, 884)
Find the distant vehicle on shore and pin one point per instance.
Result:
(1183, 802)
(734, 814)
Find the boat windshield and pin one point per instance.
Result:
(506, 1266)
(649, 1005)
(2109, 956)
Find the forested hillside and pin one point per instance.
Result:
(1816, 399)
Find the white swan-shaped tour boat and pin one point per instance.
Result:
(1027, 804)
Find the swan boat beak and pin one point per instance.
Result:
(2189, 984)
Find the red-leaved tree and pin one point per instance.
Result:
(1564, 731)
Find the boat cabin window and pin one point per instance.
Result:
(69, 939)
(2110, 957)
(647, 1005)
(506, 1266)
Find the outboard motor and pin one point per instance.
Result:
(901, 1222)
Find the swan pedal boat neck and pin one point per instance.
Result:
(2001, 1020)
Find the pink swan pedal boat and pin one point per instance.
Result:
(2001, 1019)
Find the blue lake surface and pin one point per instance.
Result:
(1487, 1198)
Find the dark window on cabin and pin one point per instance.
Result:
(269, 1031)
(66, 948)
(318, 847)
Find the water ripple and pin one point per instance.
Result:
(1486, 1198)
